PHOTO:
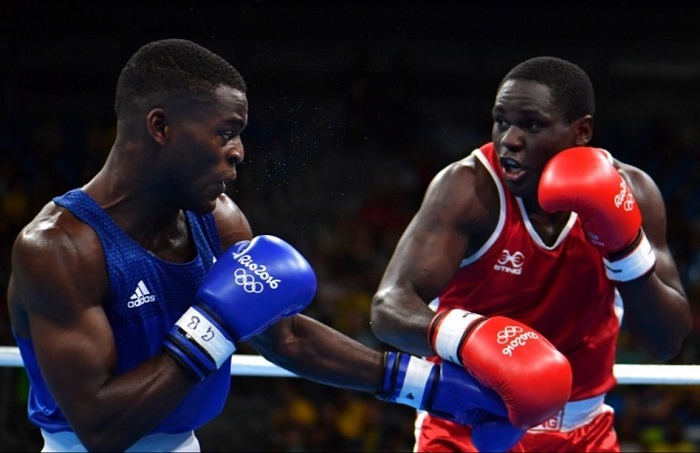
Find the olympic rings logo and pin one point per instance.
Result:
(513, 337)
(625, 198)
(506, 334)
(248, 282)
(629, 202)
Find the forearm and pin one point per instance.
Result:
(657, 315)
(402, 324)
(129, 406)
(319, 353)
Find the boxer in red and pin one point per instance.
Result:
(534, 238)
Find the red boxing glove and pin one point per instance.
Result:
(531, 376)
(584, 180)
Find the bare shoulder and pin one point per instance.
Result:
(231, 222)
(453, 180)
(465, 190)
(632, 173)
(55, 234)
(57, 262)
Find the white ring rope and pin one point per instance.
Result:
(255, 365)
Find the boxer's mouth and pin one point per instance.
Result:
(512, 169)
(229, 180)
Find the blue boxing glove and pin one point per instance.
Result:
(495, 434)
(253, 285)
(450, 392)
(444, 390)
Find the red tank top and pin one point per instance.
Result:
(561, 291)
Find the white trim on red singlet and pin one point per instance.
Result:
(501, 214)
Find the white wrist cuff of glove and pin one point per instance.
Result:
(637, 263)
(206, 335)
(451, 331)
(415, 382)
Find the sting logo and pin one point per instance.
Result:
(510, 263)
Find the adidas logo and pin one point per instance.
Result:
(141, 296)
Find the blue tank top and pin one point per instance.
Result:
(146, 296)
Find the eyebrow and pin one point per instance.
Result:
(236, 122)
(520, 110)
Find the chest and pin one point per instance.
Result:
(547, 228)
(174, 244)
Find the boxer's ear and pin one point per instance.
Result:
(583, 130)
(156, 125)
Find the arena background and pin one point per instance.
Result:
(354, 106)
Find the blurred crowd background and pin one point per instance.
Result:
(354, 106)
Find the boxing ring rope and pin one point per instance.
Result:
(255, 365)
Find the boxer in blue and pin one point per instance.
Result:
(129, 295)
